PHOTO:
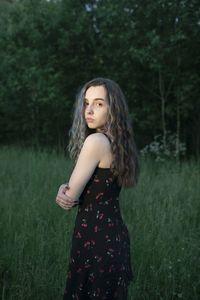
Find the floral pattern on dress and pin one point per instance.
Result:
(100, 261)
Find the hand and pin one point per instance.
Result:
(64, 200)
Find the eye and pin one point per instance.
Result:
(99, 104)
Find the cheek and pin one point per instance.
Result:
(105, 115)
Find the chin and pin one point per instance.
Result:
(91, 126)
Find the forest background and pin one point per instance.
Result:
(48, 49)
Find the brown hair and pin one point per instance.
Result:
(118, 127)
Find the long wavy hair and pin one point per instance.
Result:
(118, 128)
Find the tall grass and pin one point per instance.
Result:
(162, 215)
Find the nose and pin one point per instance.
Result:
(89, 109)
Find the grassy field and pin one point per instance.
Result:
(162, 215)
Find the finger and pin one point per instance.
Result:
(68, 205)
(63, 186)
(64, 198)
(63, 205)
(64, 189)
(67, 185)
(64, 202)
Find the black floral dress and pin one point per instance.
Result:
(100, 262)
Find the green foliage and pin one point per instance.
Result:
(159, 151)
(49, 48)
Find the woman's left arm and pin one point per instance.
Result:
(63, 200)
(91, 153)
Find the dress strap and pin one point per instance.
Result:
(107, 136)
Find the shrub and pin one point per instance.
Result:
(160, 150)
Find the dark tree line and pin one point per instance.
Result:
(50, 48)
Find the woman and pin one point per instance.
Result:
(101, 142)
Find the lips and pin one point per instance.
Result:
(89, 119)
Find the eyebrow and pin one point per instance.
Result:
(95, 99)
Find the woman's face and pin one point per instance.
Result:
(96, 107)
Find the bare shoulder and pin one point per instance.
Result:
(97, 140)
(98, 145)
